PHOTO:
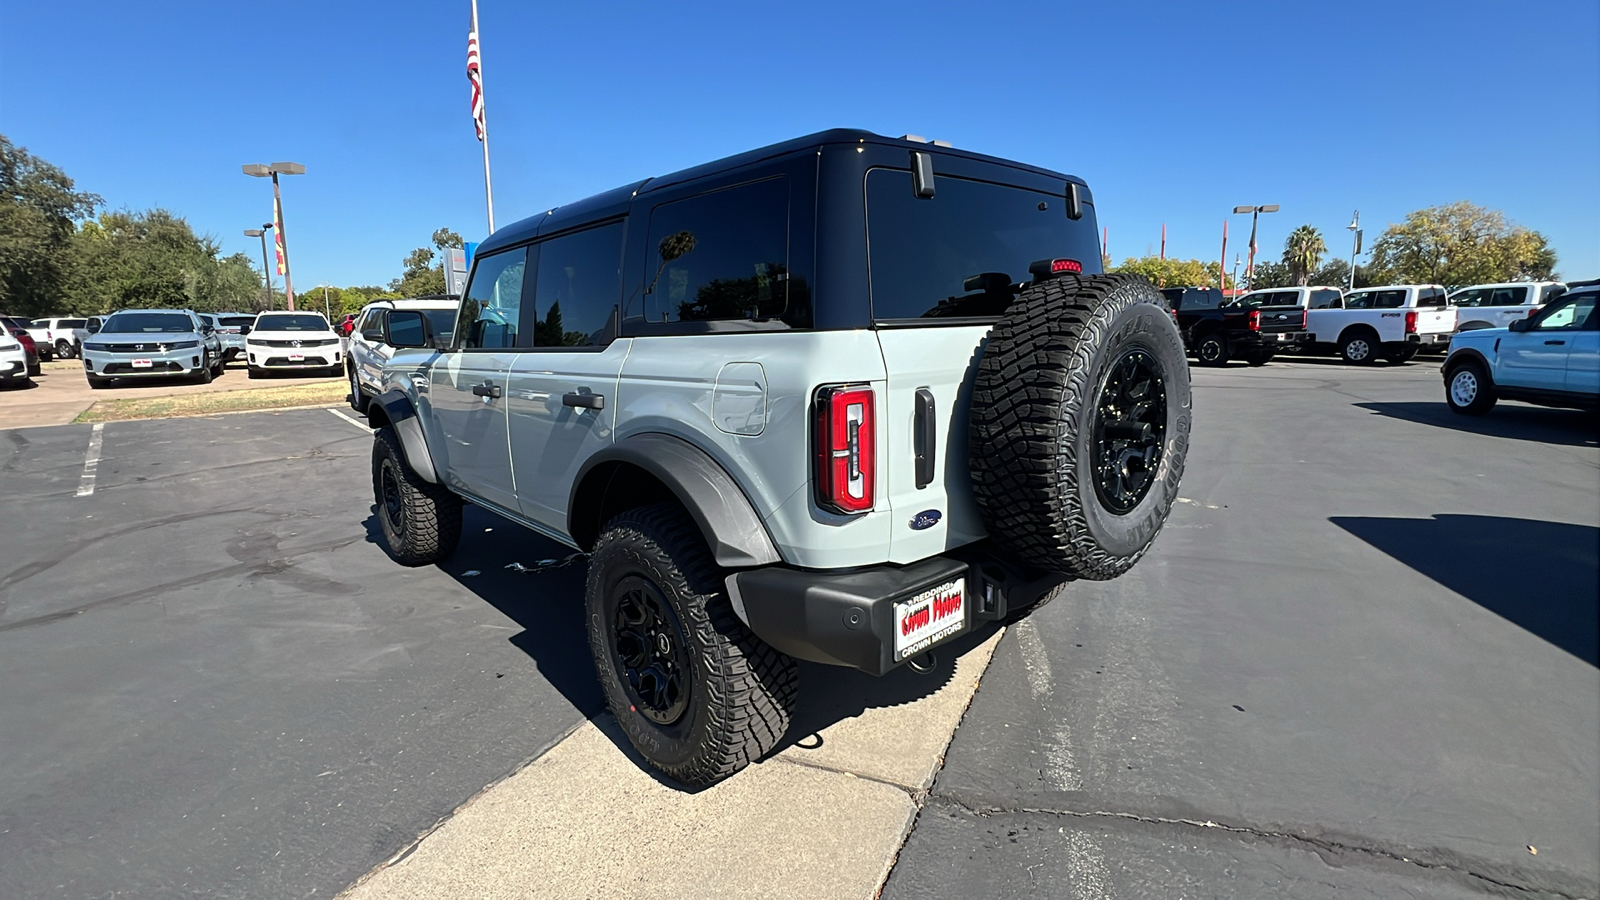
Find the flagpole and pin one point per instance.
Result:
(488, 186)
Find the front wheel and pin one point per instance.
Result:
(421, 522)
(698, 695)
(205, 374)
(1468, 389)
(358, 400)
(97, 383)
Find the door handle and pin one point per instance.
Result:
(1550, 343)
(924, 438)
(489, 389)
(584, 400)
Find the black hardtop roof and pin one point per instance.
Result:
(615, 201)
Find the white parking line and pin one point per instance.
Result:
(91, 461)
(364, 429)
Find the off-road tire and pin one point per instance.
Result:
(1475, 394)
(423, 524)
(1359, 348)
(1212, 349)
(359, 401)
(742, 692)
(1034, 413)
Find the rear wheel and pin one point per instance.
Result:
(421, 522)
(1213, 350)
(64, 349)
(698, 695)
(1468, 389)
(1359, 348)
(1080, 423)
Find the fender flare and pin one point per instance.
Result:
(1461, 357)
(729, 522)
(400, 414)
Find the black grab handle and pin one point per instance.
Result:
(584, 400)
(925, 438)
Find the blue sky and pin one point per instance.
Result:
(1173, 113)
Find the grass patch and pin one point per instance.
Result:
(321, 393)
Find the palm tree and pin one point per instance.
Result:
(1302, 252)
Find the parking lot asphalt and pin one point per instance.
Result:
(217, 684)
(60, 392)
(1359, 661)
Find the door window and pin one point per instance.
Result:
(1508, 296)
(1567, 314)
(1376, 299)
(724, 255)
(579, 283)
(1471, 297)
(489, 313)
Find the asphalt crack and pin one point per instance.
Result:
(1316, 844)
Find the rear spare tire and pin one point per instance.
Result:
(1080, 423)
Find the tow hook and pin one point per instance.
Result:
(923, 663)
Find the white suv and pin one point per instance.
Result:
(369, 341)
(293, 341)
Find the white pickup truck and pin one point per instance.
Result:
(1498, 305)
(1393, 322)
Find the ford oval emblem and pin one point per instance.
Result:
(925, 519)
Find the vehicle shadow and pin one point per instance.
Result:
(548, 605)
(1574, 428)
(1542, 576)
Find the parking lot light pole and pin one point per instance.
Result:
(266, 272)
(1255, 212)
(1355, 246)
(257, 170)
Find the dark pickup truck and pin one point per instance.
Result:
(1216, 329)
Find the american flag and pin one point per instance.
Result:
(475, 75)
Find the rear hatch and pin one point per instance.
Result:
(943, 268)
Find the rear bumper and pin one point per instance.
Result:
(1430, 340)
(847, 618)
(1283, 338)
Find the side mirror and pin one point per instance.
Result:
(372, 335)
(244, 330)
(94, 327)
(409, 329)
(207, 329)
(1520, 324)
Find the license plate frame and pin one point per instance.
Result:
(929, 617)
(297, 357)
(142, 364)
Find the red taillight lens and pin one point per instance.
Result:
(1255, 320)
(845, 435)
(1411, 322)
(1305, 319)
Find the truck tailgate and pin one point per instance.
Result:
(1440, 320)
(1282, 318)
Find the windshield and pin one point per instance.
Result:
(147, 323)
(292, 322)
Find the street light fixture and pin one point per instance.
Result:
(1255, 212)
(257, 170)
(265, 271)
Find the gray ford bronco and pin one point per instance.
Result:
(839, 399)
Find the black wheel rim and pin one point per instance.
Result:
(650, 650)
(389, 485)
(1130, 430)
(1210, 349)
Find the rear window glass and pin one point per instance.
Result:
(958, 253)
(147, 323)
(1190, 299)
(291, 322)
(1431, 297)
(237, 321)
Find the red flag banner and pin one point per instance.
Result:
(277, 232)
(475, 75)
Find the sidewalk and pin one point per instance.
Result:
(824, 817)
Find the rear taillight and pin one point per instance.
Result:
(1255, 320)
(1411, 322)
(1305, 319)
(845, 436)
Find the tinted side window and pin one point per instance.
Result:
(1325, 300)
(722, 255)
(1509, 296)
(1380, 300)
(579, 283)
(1569, 313)
(1472, 297)
(958, 253)
(1550, 292)
(488, 318)
(1430, 297)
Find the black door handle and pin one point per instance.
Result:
(584, 400)
(489, 389)
(925, 438)
(1549, 343)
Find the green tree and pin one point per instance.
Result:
(1461, 243)
(444, 239)
(421, 276)
(1171, 272)
(1302, 253)
(151, 258)
(1268, 274)
(38, 208)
